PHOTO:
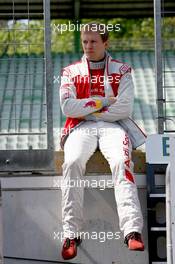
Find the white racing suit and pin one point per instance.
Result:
(107, 126)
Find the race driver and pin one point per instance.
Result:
(97, 94)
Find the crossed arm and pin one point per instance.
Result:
(123, 106)
(107, 109)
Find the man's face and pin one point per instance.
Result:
(93, 46)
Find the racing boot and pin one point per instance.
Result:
(134, 241)
(69, 249)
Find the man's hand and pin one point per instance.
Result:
(107, 101)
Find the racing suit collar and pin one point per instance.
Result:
(107, 61)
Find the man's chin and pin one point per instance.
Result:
(90, 57)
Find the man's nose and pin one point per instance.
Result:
(89, 45)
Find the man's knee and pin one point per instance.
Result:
(122, 162)
(75, 164)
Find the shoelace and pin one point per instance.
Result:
(67, 243)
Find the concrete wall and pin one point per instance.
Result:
(32, 220)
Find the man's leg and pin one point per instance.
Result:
(115, 145)
(78, 148)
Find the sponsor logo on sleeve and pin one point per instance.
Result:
(125, 68)
(90, 104)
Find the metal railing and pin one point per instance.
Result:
(1, 229)
(165, 71)
(170, 202)
(26, 100)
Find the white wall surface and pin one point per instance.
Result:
(32, 213)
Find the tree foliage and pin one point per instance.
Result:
(27, 37)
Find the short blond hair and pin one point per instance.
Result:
(96, 27)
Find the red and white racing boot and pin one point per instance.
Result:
(134, 241)
(69, 249)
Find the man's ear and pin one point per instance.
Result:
(106, 43)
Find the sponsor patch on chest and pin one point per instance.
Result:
(125, 68)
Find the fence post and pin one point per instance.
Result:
(1, 229)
